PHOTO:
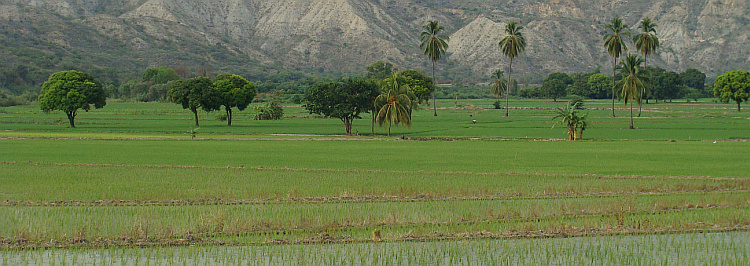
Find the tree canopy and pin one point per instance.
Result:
(733, 86)
(235, 91)
(343, 99)
(159, 75)
(69, 91)
(379, 70)
(419, 84)
(195, 93)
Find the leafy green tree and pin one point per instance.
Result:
(693, 78)
(195, 93)
(395, 103)
(733, 86)
(634, 80)
(235, 91)
(565, 78)
(379, 70)
(344, 99)
(433, 45)
(615, 45)
(499, 84)
(422, 86)
(553, 89)
(580, 85)
(646, 43)
(600, 86)
(69, 91)
(159, 75)
(665, 84)
(512, 45)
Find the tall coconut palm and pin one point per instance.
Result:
(646, 43)
(433, 45)
(395, 104)
(512, 45)
(499, 86)
(634, 80)
(615, 45)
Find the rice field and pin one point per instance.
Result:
(727, 248)
(131, 186)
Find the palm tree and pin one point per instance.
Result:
(646, 43)
(512, 45)
(634, 80)
(395, 104)
(499, 85)
(615, 45)
(434, 45)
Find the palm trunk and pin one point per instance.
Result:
(631, 116)
(614, 68)
(434, 81)
(507, 88)
(373, 123)
(643, 91)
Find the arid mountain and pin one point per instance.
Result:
(258, 37)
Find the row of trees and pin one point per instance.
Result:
(389, 96)
(70, 91)
(665, 85)
(227, 90)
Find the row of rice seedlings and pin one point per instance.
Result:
(47, 182)
(729, 248)
(138, 222)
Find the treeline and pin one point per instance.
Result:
(664, 85)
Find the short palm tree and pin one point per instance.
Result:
(395, 104)
(499, 85)
(433, 45)
(615, 45)
(634, 80)
(646, 43)
(569, 117)
(512, 45)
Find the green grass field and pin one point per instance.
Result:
(131, 175)
(678, 121)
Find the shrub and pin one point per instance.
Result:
(269, 111)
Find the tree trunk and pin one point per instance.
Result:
(389, 128)
(373, 122)
(71, 118)
(507, 87)
(229, 116)
(434, 81)
(614, 68)
(738, 107)
(195, 113)
(347, 126)
(631, 116)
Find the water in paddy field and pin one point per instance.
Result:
(728, 248)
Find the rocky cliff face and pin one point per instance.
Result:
(347, 35)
